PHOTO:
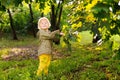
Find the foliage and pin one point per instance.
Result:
(71, 34)
(89, 14)
(103, 24)
(21, 19)
(4, 22)
(109, 21)
(116, 41)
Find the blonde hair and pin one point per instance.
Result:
(43, 18)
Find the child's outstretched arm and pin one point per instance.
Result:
(47, 35)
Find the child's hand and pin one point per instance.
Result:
(61, 33)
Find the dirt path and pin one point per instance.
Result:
(27, 52)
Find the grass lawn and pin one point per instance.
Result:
(86, 61)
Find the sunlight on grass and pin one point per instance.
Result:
(4, 52)
(86, 37)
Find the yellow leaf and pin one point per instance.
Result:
(46, 9)
(93, 3)
(90, 18)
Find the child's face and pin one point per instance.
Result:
(44, 24)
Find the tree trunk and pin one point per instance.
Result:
(42, 14)
(12, 27)
(56, 17)
(60, 13)
(31, 21)
(53, 18)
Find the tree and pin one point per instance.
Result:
(32, 18)
(56, 12)
(12, 25)
(55, 15)
(107, 13)
(7, 5)
(29, 2)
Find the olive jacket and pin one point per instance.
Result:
(45, 38)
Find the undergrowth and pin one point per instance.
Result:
(85, 62)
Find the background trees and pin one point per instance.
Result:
(99, 16)
(7, 5)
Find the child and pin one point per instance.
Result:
(45, 47)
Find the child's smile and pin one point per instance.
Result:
(44, 24)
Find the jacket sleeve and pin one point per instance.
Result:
(51, 35)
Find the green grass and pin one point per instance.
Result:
(85, 62)
(22, 41)
(86, 37)
(18, 70)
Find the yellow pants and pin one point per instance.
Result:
(44, 62)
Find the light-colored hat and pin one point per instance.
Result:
(42, 18)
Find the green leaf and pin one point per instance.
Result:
(116, 42)
(27, 1)
(2, 8)
(108, 1)
(17, 2)
(36, 1)
(100, 6)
